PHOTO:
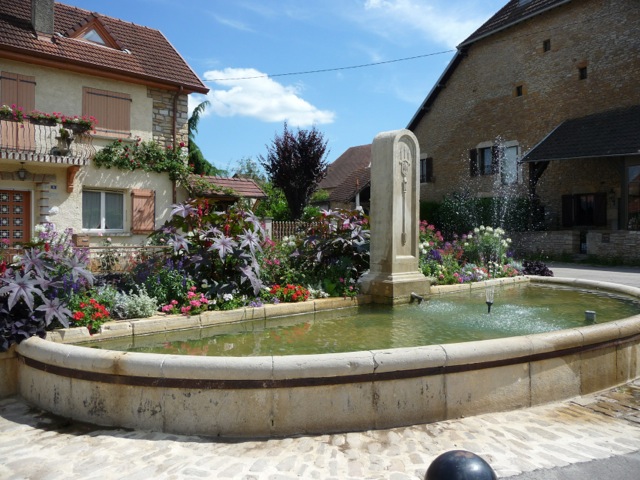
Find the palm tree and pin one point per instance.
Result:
(196, 158)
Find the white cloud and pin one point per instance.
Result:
(262, 98)
(434, 20)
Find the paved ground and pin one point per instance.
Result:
(592, 437)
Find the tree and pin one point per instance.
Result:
(199, 164)
(296, 163)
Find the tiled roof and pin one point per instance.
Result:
(606, 134)
(242, 187)
(514, 12)
(354, 158)
(148, 56)
(355, 182)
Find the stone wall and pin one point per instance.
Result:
(620, 245)
(163, 102)
(479, 102)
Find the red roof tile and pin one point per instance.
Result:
(146, 54)
(354, 183)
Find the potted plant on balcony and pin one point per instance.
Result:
(11, 112)
(41, 118)
(78, 125)
(64, 139)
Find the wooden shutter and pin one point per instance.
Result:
(143, 205)
(18, 90)
(428, 165)
(112, 110)
(567, 211)
(600, 209)
(473, 163)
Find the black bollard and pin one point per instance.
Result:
(460, 465)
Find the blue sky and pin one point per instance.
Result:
(227, 40)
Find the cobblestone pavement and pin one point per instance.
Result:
(36, 445)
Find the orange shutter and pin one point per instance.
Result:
(112, 110)
(143, 204)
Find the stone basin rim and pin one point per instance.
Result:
(393, 387)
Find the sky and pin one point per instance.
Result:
(251, 53)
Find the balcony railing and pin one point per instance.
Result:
(36, 142)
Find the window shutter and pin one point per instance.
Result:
(429, 169)
(567, 211)
(473, 163)
(600, 209)
(18, 90)
(112, 110)
(143, 205)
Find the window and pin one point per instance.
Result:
(102, 210)
(19, 90)
(582, 73)
(585, 209)
(509, 165)
(488, 156)
(93, 36)
(546, 45)
(426, 170)
(111, 109)
(501, 159)
(519, 91)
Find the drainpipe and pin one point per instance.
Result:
(174, 134)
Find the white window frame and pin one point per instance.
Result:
(102, 228)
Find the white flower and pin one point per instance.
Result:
(476, 230)
(227, 297)
(470, 236)
(482, 228)
(508, 240)
(466, 244)
(489, 229)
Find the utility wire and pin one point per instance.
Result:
(333, 69)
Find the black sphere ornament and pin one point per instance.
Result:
(460, 465)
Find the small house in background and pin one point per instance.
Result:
(347, 177)
(56, 58)
(542, 103)
(226, 191)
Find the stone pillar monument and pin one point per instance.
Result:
(394, 214)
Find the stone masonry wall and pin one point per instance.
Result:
(617, 244)
(163, 117)
(479, 102)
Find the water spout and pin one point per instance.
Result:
(415, 296)
(489, 297)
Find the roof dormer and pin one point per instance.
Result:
(92, 30)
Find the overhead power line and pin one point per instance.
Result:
(332, 69)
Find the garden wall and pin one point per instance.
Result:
(622, 245)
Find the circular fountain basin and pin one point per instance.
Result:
(309, 394)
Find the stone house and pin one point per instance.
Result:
(517, 110)
(58, 58)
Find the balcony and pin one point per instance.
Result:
(29, 141)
